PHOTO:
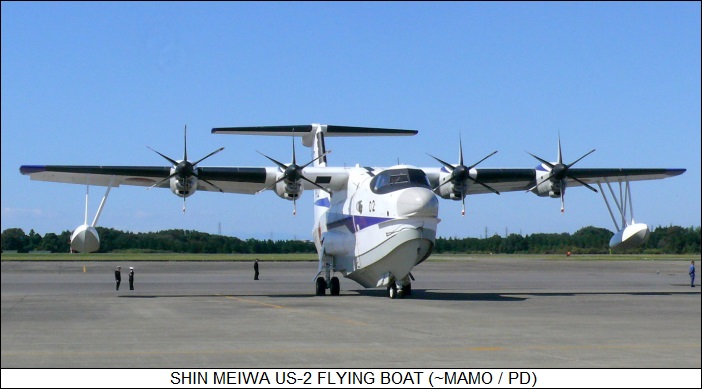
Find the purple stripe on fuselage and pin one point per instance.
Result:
(367, 221)
(357, 223)
(345, 222)
(323, 202)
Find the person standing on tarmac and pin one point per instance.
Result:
(256, 269)
(131, 278)
(118, 276)
(691, 271)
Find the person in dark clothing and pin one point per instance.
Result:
(131, 278)
(256, 270)
(118, 276)
(691, 272)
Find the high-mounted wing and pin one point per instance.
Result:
(244, 180)
(509, 180)
(230, 179)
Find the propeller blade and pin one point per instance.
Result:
(545, 162)
(463, 202)
(484, 185)
(213, 185)
(164, 180)
(208, 155)
(476, 164)
(546, 178)
(583, 184)
(174, 163)
(310, 162)
(316, 184)
(576, 161)
(562, 200)
(446, 164)
(444, 183)
(272, 185)
(185, 146)
(280, 164)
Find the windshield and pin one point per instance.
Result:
(394, 179)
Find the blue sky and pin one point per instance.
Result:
(96, 83)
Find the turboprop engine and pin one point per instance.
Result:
(184, 174)
(289, 185)
(454, 185)
(552, 177)
(549, 188)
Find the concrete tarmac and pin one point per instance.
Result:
(464, 313)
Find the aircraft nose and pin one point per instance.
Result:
(417, 202)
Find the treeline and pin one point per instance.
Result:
(588, 240)
(178, 241)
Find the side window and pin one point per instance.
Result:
(380, 181)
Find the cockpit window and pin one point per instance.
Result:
(394, 179)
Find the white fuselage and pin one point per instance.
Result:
(380, 227)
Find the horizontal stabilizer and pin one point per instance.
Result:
(305, 129)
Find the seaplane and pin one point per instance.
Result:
(372, 225)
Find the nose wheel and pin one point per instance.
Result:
(403, 290)
(395, 292)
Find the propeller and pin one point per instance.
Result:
(293, 173)
(185, 169)
(460, 173)
(559, 172)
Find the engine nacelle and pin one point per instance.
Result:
(630, 237)
(451, 191)
(85, 239)
(183, 188)
(548, 188)
(289, 190)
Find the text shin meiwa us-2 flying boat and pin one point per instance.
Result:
(372, 225)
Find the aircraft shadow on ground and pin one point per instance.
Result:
(434, 294)
(438, 294)
(426, 294)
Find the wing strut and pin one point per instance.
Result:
(102, 203)
(620, 202)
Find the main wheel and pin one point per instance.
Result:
(392, 291)
(320, 287)
(407, 290)
(334, 287)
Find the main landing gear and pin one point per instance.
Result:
(321, 286)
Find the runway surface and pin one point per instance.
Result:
(467, 313)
